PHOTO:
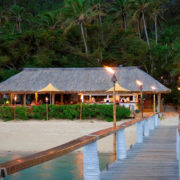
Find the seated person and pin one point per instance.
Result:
(33, 103)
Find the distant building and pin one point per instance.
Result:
(89, 85)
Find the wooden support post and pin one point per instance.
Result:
(53, 98)
(146, 127)
(121, 144)
(62, 100)
(91, 162)
(90, 98)
(154, 103)
(36, 97)
(159, 103)
(24, 99)
(11, 99)
(139, 132)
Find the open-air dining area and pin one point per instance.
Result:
(35, 86)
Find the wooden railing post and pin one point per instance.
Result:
(139, 132)
(91, 162)
(177, 144)
(178, 148)
(146, 127)
(158, 116)
(121, 144)
(152, 123)
(3, 173)
(156, 120)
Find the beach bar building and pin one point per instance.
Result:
(75, 85)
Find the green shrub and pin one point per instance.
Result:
(39, 112)
(22, 113)
(64, 112)
(6, 113)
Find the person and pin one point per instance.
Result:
(33, 103)
(37, 103)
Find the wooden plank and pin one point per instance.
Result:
(155, 159)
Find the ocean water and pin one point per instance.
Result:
(68, 167)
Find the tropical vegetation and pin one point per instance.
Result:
(81, 33)
(103, 112)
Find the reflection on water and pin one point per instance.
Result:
(68, 167)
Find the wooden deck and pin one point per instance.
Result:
(155, 159)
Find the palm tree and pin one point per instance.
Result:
(141, 7)
(78, 12)
(48, 19)
(3, 17)
(156, 14)
(17, 14)
(121, 8)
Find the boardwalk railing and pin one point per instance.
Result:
(178, 144)
(89, 144)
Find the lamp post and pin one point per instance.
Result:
(46, 99)
(140, 84)
(154, 98)
(15, 99)
(114, 80)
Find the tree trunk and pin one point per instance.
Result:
(14, 2)
(145, 30)
(19, 25)
(156, 30)
(124, 20)
(84, 39)
(139, 31)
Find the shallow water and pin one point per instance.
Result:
(68, 167)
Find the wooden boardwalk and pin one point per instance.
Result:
(155, 159)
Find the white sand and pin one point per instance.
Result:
(33, 136)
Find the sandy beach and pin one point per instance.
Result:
(34, 136)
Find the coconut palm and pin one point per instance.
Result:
(157, 15)
(3, 17)
(78, 12)
(121, 8)
(17, 13)
(141, 8)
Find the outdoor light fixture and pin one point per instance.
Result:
(46, 99)
(114, 80)
(140, 84)
(154, 99)
(15, 98)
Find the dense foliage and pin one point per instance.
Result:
(104, 112)
(80, 33)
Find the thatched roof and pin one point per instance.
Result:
(79, 80)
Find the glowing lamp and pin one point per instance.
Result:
(139, 83)
(153, 88)
(15, 98)
(109, 69)
(46, 99)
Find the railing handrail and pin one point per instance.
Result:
(19, 164)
